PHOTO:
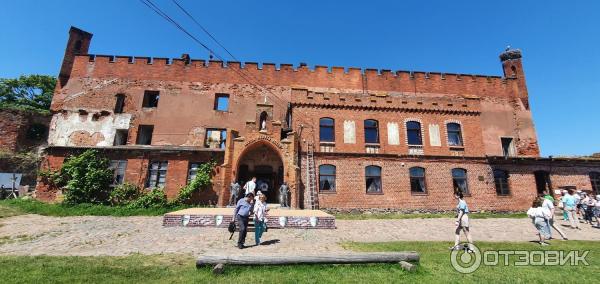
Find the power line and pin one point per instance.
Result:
(165, 16)
(204, 29)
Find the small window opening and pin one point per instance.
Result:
(144, 136)
(150, 99)
(215, 138)
(120, 103)
(508, 147)
(121, 137)
(221, 102)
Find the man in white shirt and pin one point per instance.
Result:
(250, 186)
(550, 206)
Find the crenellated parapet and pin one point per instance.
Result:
(186, 69)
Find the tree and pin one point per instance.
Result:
(86, 178)
(28, 92)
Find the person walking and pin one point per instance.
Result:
(242, 213)
(539, 217)
(547, 204)
(570, 203)
(260, 218)
(561, 205)
(250, 186)
(462, 222)
(589, 203)
(234, 190)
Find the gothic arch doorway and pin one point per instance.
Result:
(263, 162)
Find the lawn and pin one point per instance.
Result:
(475, 215)
(434, 267)
(14, 207)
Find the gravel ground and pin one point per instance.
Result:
(91, 235)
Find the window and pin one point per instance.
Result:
(192, 171)
(595, 180)
(215, 138)
(542, 181)
(327, 178)
(121, 137)
(373, 179)
(144, 135)
(118, 167)
(371, 131)
(157, 174)
(37, 132)
(508, 147)
(417, 180)
(413, 133)
(501, 182)
(120, 103)
(459, 180)
(221, 102)
(454, 134)
(150, 99)
(327, 130)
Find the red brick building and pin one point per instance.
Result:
(342, 138)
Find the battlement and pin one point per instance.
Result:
(285, 74)
(283, 67)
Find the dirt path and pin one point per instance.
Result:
(89, 235)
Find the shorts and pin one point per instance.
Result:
(464, 221)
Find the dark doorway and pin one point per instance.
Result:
(542, 181)
(262, 162)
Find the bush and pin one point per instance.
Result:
(202, 179)
(124, 194)
(87, 178)
(150, 199)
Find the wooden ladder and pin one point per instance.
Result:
(311, 178)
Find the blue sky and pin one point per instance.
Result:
(559, 40)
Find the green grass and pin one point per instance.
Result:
(434, 267)
(483, 215)
(14, 207)
(435, 263)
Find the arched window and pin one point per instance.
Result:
(373, 179)
(454, 134)
(459, 180)
(327, 178)
(371, 131)
(417, 180)
(501, 182)
(595, 180)
(327, 129)
(413, 133)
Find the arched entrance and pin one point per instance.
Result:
(263, 162)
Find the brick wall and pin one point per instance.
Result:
(136, 171)
(14, 125)
(396, 195)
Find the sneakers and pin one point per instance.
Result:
(456, 247)
(544, 244)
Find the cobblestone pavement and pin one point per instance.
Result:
(90, 235)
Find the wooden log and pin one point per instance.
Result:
(407, 266)
(375, 257)
(218, 269)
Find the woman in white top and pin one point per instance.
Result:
(539, 217)
(260, 218)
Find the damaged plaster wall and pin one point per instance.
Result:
(70, 128)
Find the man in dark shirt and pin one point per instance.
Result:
(242, 212)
